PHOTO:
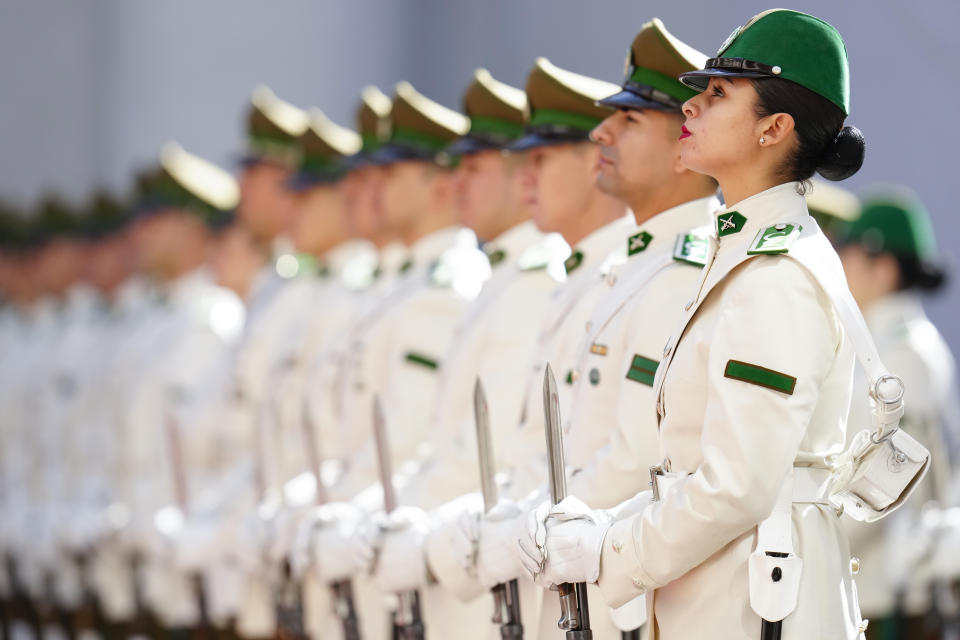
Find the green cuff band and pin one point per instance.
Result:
(496, 126)
(661, 82)
(423, 361)
(542, 117)
(417, 139)
(760, 376)
(642, 370)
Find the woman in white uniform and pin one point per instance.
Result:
(754, 386)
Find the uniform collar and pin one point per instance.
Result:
(431, 246)
(508, 246)
(391, 257)
(741, 221)
(339, 256)
(601, 242)
(186, 286)
(666, 225)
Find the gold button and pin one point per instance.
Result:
(854, 565)
(617, 546)
(639, 585)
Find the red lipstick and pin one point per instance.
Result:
(685, 133)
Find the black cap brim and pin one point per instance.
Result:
(626, 99)
(303, 180)
(391, 153)
(468, 145)
(701, 78)
(534, 140)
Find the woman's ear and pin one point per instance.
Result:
(775, 128)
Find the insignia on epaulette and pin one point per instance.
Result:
(691, 248)
(574, 261)
(776, 239)
(420, 359)
(642, 370)
(598, 349)
(638, 242)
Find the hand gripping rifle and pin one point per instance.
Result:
(574, 612)
(506, 596)
(407, 621)
(343, 602)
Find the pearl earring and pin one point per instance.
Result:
(762, 139)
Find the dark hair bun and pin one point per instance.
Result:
(844, 156)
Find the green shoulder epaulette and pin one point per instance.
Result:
(691, 248)
(775, 239)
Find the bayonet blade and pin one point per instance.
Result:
(384, 463)
(481, 414)
(554, 436)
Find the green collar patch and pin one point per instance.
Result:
(496, 256)
(730, 223)
(760, 376)
(642, 370)
(776, 239)
(638, 242)
(407, 265)
(420, 359)
(692, 249)
(573, 262)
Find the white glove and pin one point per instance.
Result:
(464, 534)
(498, 556)
(563, 543)
(343, 543)
(402, 562)
(575, 535)
(533, 539)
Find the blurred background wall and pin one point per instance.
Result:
(92, 88)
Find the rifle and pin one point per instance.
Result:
(204, 630)
(407, 620)
(506, 596)
(343, 602)
(574, 611)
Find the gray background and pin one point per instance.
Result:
(92, 88)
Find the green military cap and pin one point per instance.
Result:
(655, 61)
(420, 128)
(497, 112)
(323, 146)
(14, 228)
(563, 106)
(188, 182)
(54, 218)
(894, 220)
(373, 123)
(273, 127)
(781, 43)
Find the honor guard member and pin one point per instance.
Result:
(891, 262)
(754, 384)
(394, 346)
(610, 428)
(488, 342)
(559, 180)
(157, 380)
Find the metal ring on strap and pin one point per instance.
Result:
(876, 389)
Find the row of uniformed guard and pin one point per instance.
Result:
(187, 441)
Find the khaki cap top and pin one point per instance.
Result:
(188, 182)
(563, 105)
(373, 117)
(273, 127)
(421, 128)
(654, 64)
(324, 145)
(497, 112)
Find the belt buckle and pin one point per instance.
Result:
(656, 470)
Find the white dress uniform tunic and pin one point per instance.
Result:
(754, 387)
